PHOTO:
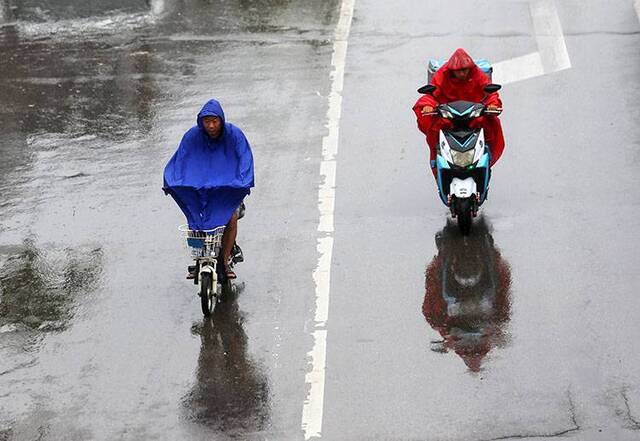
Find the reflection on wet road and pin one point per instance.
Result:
(467, 296)
(97, 334)
(231, 391)
(38, 286)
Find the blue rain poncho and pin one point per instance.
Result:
(208, 178)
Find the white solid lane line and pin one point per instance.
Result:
(636, 4)
(518, 69)
(549, 35)
(314, 404)
(552, 55)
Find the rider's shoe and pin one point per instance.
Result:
(228, 270)
(229, 273)
(236, 254)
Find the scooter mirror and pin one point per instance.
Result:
(428, 89)
(491, 88)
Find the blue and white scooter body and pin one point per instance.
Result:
(462, 165)
(463, 158)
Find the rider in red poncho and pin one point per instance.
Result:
(459, 79)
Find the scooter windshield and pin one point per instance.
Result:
(462, 109)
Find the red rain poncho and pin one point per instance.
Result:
(452, 89)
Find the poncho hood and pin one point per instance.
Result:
(211, 108)
(460, 59)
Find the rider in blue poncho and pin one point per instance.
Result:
(210, 174)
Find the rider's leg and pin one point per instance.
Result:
(432, 160)
(494, 138)
(229, 238)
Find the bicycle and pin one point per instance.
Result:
(208, 271)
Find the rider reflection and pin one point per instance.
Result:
(467, 296)
(230, 394)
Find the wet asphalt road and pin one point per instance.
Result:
(101, 337)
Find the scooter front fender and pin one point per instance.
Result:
(463, 188)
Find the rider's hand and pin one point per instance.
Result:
(492, 107)
(426, 110)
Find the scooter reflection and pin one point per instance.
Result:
(231, 393)
(467, 296)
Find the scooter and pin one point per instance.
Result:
(463, 158)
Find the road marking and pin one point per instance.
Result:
(4, 14)
(552, 55)
(636, 4)
(157, 7)
(518, 69)
(315, 378)
(549, 35)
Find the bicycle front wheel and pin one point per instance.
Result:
(207, 294)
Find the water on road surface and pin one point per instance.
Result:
(100, 335)
(527, 328)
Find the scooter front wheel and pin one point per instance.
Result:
(464, 215)
(207, 298)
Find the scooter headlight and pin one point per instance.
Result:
(476, 113)
(463, 159)
(445, 113)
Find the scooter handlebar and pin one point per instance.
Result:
(494, 112)
(438, 111)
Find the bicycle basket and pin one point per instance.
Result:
(203, 242)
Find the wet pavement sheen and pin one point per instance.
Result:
(525, 329)
(100, 335)
(533, 335)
